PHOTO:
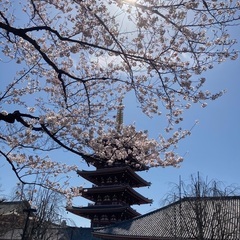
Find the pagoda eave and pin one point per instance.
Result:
(91, 176)
(88, 211)
(115, 189)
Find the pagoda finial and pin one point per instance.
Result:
(119, 118)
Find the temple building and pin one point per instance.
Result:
(112, 195)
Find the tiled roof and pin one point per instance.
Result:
(220, 216)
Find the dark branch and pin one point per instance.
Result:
(13, 167)
(19, 117)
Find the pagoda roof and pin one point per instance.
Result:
(136, 180)
(103, 163)
(88, 211)
(136, 197)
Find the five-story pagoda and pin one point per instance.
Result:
(117, 160)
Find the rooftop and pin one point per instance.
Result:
(15, 207)
(217, 216)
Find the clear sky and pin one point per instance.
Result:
(213, 149)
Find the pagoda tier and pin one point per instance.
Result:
(114, 175)
(114, 194)
(111, 195)
(105, 214)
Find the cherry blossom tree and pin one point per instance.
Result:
(73, 62)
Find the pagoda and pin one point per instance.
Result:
(112, 193)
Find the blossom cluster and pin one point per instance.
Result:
(132, 148)
(73, 63)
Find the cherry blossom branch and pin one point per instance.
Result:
(13, 167)
(78, 59)
(19, 117)
(52, 136)
(22, 33)
(45, 184)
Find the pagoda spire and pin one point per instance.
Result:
(119, 117)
